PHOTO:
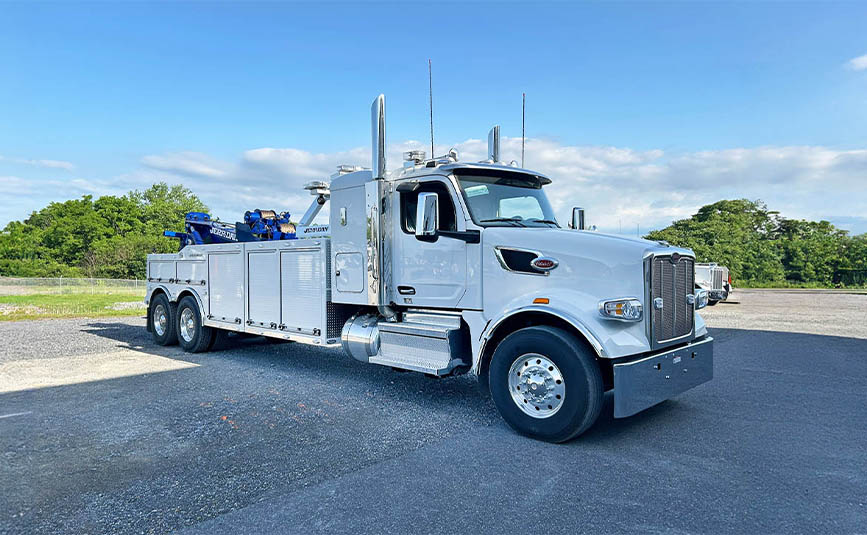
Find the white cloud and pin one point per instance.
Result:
(620, 187)
(857, 64)
(51, 164)
(188, 163)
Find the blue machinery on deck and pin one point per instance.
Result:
(258, 225)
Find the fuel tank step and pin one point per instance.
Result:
(430, 343)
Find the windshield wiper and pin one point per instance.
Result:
(549, 221)
(518, 222)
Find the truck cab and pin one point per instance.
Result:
(447, 267)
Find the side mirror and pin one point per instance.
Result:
(427, 215)
(577, 218)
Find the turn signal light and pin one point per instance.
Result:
(541, 301)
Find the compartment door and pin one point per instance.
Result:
(349, 272)
(226, 285)
(263, 298)
(302, 273)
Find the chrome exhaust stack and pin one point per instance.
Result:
(378, 245)
(377, 119)
(494, 144)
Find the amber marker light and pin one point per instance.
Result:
(541, 301)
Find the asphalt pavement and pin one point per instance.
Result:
(103, 432)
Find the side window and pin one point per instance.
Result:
(409, 203)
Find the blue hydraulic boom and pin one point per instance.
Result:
(258, 225)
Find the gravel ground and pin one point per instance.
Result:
(824, 312)
(267, 438)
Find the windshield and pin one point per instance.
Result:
(506, 201)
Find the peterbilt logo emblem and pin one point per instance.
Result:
(675, 258)
(544, 263)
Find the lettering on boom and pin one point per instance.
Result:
(312, 231)
(224, 234)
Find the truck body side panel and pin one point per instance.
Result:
(162, 270)
(192, 271)
(350, 228)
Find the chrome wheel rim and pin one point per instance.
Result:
(160, 320)
(536, 385)
(188, 325)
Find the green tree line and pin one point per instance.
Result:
(760, 247)
(107, 237)
(111, 236)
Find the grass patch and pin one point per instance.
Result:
(26, 307)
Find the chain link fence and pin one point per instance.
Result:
(65, 285)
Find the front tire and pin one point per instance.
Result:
(161, 315)
(192, 335)
(546, 383)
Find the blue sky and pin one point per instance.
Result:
(640, 111)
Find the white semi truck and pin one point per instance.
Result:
(446, 267)
(714, 278)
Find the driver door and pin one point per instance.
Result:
(428, 272)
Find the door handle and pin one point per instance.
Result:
(406, 290)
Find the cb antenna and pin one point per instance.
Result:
(430, 99)
(523, 117)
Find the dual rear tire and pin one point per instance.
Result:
(546, 383)
(192, 335)
(180, 323)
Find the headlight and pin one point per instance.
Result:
(626, 309)
(700, 299)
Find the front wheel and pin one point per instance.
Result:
(546, 383)
(192, 335)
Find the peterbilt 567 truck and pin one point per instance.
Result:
(447, 267)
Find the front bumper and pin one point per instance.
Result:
(718, 295)
(643, 383)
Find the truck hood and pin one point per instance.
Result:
(579, 245)
(591, 267)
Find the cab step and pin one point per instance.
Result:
(431, 343)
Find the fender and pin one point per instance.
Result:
(174, 298)
(150, 294)
(563, 315)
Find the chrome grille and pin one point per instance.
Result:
(717, 278)
(672, 281)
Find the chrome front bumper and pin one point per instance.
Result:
(719, 295)
(641, 384)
